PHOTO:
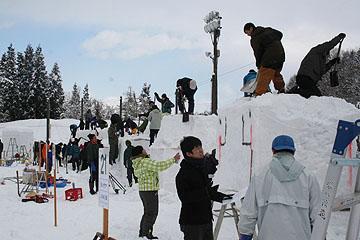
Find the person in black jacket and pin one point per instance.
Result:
(128, 162)
(186, 87)
(314, 66)
(92, 152)
(1, 148)
(269, 55)
(195, 191)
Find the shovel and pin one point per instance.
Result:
(334, 78)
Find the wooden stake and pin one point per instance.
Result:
(106, 223)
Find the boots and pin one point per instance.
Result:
(91, 187)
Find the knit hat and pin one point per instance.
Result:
(192, 84)
(137, 150)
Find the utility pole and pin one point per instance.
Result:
(214, 92)
(213, 26)
(121, 121)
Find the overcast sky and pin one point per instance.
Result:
(115, 44)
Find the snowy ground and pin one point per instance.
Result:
(311, 122)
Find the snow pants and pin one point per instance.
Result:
(113, 153)
(153, 134)
(197, 232)
(150, 200)
(265, 76)
(307, 86)
(130, 175)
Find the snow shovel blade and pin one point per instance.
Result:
(185, 117)
(250, 86)
(334, 79)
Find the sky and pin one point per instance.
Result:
(111, 45)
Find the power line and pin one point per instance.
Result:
(205, 82)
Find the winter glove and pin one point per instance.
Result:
(156, 94)
(245, 237)
(210, 163)
(227, 198)
(342, 35)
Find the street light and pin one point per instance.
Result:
(213, 26)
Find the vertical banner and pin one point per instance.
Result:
(103, 178)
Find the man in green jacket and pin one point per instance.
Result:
(166, 104)
(270, 56)
(147, 172)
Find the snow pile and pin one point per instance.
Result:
(311, 122)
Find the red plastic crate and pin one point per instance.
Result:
(73, 194)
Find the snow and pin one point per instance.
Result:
(311, 122)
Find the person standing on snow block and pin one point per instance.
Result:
(251, 76)
(314, 66)
(282, 200)
(147, 172)
(92, 152)
(155, 123)
(128, 163)
(81, 124)
(195, 190)
(270, 57)
(166, 104)
(88, 117)
(186, 87)
(1, 148)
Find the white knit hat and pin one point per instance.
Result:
(192, 84)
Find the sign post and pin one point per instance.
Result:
(104, 189)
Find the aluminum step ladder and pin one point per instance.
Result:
(346, 133)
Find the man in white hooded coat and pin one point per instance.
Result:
(282, 200)
(154, 117)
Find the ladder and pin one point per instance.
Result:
(225, 212)
(346, 133)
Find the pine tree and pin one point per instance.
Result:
(72, 107)
(27, 78)
(86, 98)
(39, 89)
(57, 95)
(10, 92)
(144, 98)
(23, 86)
(349, 78)
(130, 106)
(98, 108)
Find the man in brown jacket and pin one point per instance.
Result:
(270, 56)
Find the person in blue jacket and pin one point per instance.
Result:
(248, 77)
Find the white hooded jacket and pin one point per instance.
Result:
(155, 117)
(283, 200)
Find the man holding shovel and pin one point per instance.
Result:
(314, 66)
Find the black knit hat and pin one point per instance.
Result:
(137, 150)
